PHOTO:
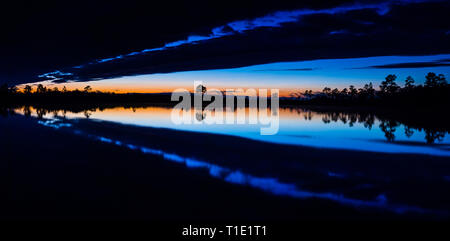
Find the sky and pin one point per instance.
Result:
(289, 77)
(129, 47)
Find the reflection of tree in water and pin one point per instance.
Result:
(334, 117)
(368, 122)
(431, 136)
(326, 119)
(351, 118)
(408, 131)
(308, 115)
(87, 114)
(41, 113)
(343, 119)
(388, 127)
(200, 115)
(27, 111)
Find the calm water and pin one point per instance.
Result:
(388, 182)
(297, 127)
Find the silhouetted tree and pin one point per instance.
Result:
(297, 95)
(200, 89)
(367, 91)
(409, 83)
(41, 89)
(326, 90)
(87, 89)
(308, 93)
(388, 86)
(27, 89)
(433, 80)
(335, 93)
(352, 91)
(13, 89)
(369, 87)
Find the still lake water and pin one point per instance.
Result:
(374, 179)
(296, 127)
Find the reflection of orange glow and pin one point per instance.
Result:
(161, 114)
(97, 86)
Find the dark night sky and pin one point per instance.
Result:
(42, 37)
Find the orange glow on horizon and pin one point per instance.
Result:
(145, 88)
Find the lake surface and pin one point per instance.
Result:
(354, 159)
(337, 130)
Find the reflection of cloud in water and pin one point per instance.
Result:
(267, 184)
(54, 123)
(443, 146)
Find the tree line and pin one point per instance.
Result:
(42, 90)
(45, 95)
(435, 90)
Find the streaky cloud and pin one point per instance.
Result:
(408, 65)
(274, 20)
(293, 69)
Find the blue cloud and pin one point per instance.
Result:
(274, 20)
